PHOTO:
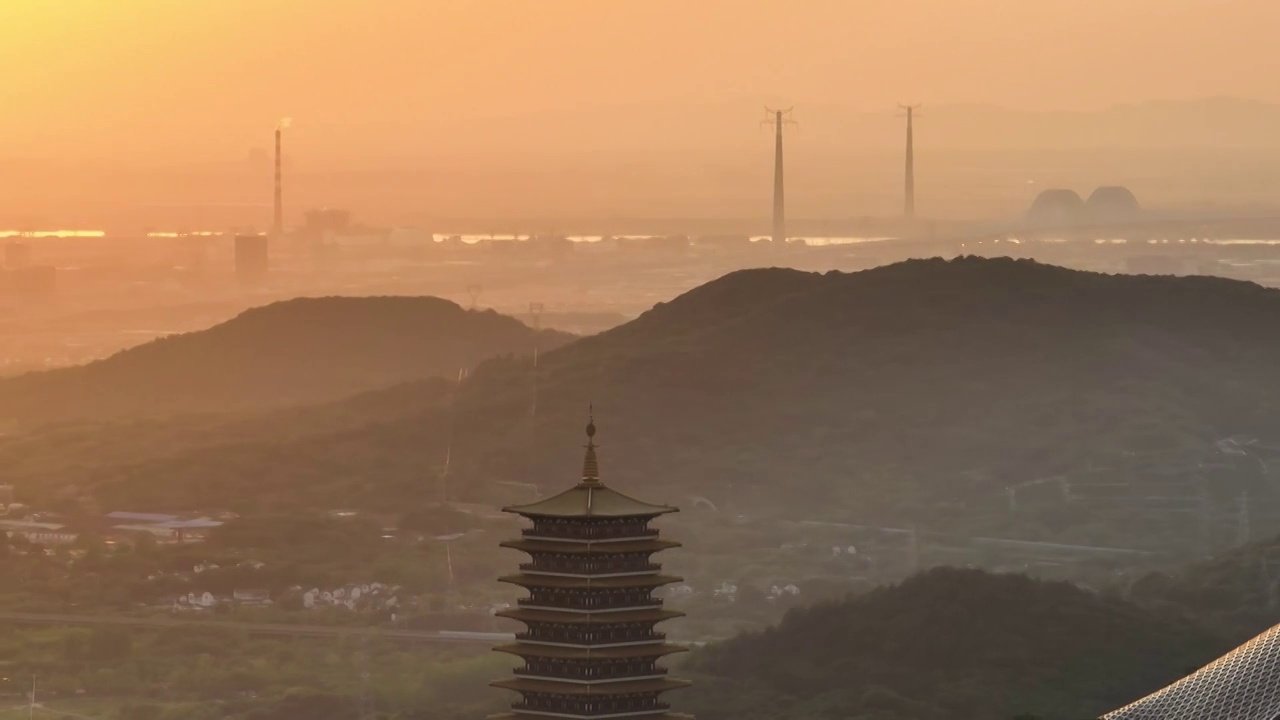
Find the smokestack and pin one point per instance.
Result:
(779, 211)
(277, 224)
(909, 208)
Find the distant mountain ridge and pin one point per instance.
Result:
(868, 389)
(301, 351)
(915, 393)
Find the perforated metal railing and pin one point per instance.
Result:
(1244, 684)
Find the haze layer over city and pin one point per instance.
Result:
(827, 359)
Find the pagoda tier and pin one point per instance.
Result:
(605, 663)
(584, 580)
(590, 648)
(589, 547)
(607, 703)
(592, 618)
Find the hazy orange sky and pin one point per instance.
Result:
(371, 82)
(203, 77)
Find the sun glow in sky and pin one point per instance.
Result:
(372, 84)
(107, 76)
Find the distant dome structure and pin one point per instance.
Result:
(1056, 207)
(1112, 202)
(1244, 684)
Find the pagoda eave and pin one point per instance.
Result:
(616, 652)
(581, 547)
(620, 687)
(594, 618)
(590, 499)
(620, 582)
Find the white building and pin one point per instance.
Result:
(39, 533)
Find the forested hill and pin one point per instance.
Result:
(1237, 590)
(950, 645)
(921, 386)
(911, 393)
(299, 351)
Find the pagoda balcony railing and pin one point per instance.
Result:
(592, 637)
(591, 602)
(578, 567)
(598, 708)
(590, 672)
(589, 532)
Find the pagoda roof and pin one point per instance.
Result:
(617, 581)
(622, 687)
(590, 546)
(590, 499)
(616, 652)
(596, 618)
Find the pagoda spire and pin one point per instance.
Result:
(590, 465)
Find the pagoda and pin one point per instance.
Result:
(589, 647)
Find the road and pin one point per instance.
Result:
(276, 629)
(28, 708)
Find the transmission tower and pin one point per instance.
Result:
(777, 119)
(474, 291)
(909, 199)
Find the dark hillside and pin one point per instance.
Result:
(951, 644)
(908, 392)
(1237, 590)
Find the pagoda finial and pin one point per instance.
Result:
(590, 465)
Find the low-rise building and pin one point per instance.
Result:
(39, 533)
(141, 517)
(160, 533)
(164, 528)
